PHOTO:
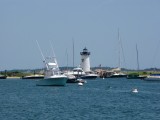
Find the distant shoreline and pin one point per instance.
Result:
(13, 78)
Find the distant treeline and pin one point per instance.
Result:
(26, 72)
(20, 73)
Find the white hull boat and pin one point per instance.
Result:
(53, 81)
(153, 77)
(52, 76)
(89, 76)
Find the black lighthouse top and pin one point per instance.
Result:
(85, 52)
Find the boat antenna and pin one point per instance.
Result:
(42, 54)
(40, 51)
(54, 56)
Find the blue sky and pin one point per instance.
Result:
(91, 23)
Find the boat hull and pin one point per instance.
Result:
(118, 76)
(33, 77)
(152, 79)
(135, 77)
(52, 81)
(71, 81)
(3, 77)
(89, 77)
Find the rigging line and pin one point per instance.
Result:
(40, 51)
(121, 48)
(65, 60)
(44, 60)
(123, 53)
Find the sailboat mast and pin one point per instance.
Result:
(73, 52)
(137, 58)
(67, 59)
(119, 51)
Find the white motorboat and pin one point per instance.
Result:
(53, 76)
(77, 72)
(70, 78)
(153, 77)
(89, 75)
(3, 77)
(118, 75)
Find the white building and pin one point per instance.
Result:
(85, 61)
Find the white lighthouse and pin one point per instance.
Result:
(85, 61)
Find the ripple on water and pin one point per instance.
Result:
(100, 100)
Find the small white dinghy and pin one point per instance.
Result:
(80, 84)
(135, 90)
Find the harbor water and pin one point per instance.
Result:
(100, 99)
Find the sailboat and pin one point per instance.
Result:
(53, 76)
(117, 71)
(136, 75)
(71, 78)
(153, 77)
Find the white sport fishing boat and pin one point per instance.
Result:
(53, 76)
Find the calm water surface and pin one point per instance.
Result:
(108, 99)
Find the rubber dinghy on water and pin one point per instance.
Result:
(135, 90)
(80, 84)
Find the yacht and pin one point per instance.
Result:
(117, 73)
(135, 76)
(77, 72)
(70, 78)
(3, 77)
(53, 76)
(153, 77)
(89, 75)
